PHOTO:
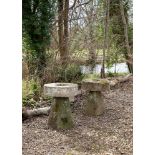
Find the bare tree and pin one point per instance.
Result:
(66, 11)
(90, 17)
(106, 41)
(129, 54)
(60, 27)
(63, 9)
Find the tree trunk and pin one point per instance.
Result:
(130, 66)
(66, 10)
(106, 41)
(63, 8)
(129, 54)
(91, 47)
(60, 28)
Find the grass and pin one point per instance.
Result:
(110, 74)
(83, 54)
(97, 76)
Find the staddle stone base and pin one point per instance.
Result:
(60, 114)
(94, 104)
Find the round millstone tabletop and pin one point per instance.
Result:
(60, 89)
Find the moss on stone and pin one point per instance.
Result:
(94, 104)
(60, 115)
(104, 82)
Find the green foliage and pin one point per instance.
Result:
(110, 74)
(69, 153)
(72, 73)
(91, 76)
(130, 33)
(30, 102)
(47, 98)
(113, 56)
(37, 22)
(35, 87)
(56, 72)
(116, 26)
(31, 91)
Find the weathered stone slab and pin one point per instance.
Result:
(61, 90)
(95, 85)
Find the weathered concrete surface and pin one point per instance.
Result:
(60, 114)
(94, 102)
(95, 85)
(61, 90)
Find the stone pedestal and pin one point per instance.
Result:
(61, 90)
(60, 114)
(94, 102)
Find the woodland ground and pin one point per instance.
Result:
(108, 134)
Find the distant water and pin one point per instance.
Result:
(120, 68)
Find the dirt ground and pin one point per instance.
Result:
(108, 134)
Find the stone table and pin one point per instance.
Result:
(94, 102)
(60, 114)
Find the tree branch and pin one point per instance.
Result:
(73, 5)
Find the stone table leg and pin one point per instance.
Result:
(60, 114)
(94, 104)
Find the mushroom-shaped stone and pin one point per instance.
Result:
(94, 103)
(60, 114)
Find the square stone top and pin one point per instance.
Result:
(95, 85)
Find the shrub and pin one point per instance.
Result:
(71, 74)
(31, 91)
(57, 73)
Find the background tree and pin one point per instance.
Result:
(37, 23)
(121, 28)
(79, 30)
(106, 37)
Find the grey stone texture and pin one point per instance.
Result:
(61, 90)
(94, 102)
(60, 114)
